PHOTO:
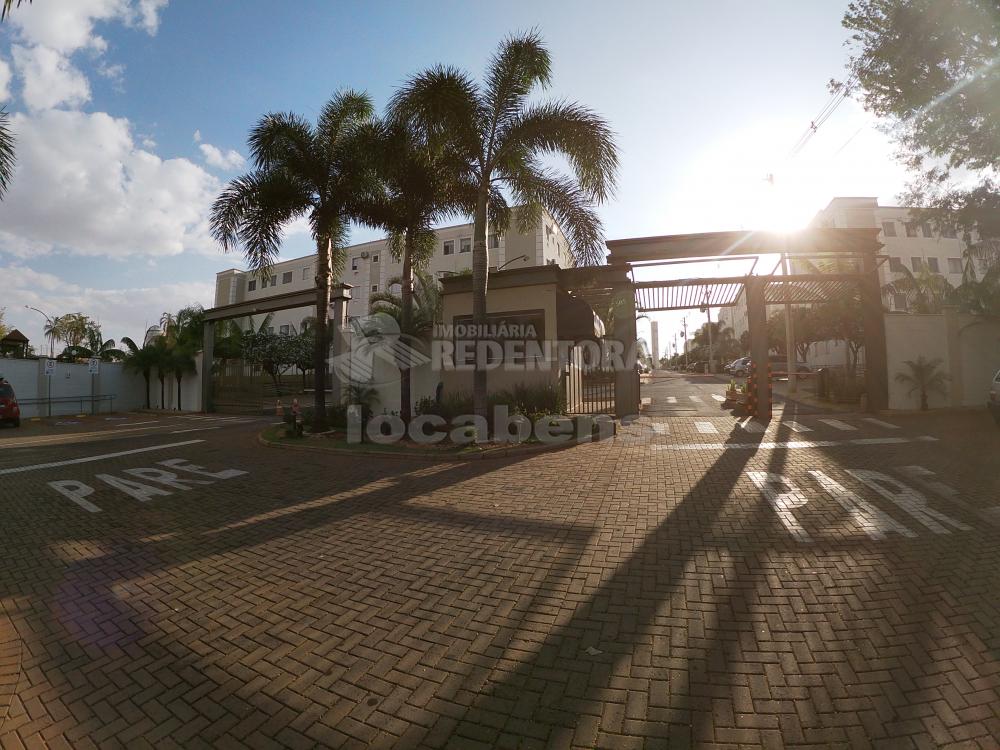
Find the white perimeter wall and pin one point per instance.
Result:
(72, 380)
(968, 346)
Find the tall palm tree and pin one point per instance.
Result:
(6, 152)
(924, 377)
(421, 185)
(7, 5)
(503, 138)
(300, 170)
(180, 362)
(140, 360)
(425, 304)
(925, 292)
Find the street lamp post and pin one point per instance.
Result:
(52, 341)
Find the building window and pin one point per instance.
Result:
(270, 330)
(917, 263)
(465, 245)
(305, 273)
(283, 330)
(896, 264)
(899, 302)
(954, 265)
(932, 265)
(948, 232)
(374, 287)
(911, 229)
(252, 285)
(449, 247)
(889, 228)
(354, 264)
(925, 229)
(375, 258)
(494, 241)
(286, 277)
(274, 281)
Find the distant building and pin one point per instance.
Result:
(369, 268)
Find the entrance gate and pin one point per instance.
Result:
(838, 262)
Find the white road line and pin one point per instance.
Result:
(696, 399)
(660, 428)
(136, 424)
(90, 459)
(836, 423)
(795, 426)
(880, 423)
(194, 429)
(784, 445)
(718, 398)
(706, 428)
(751, 426)
(671, 399)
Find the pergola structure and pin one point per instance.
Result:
(853, 254)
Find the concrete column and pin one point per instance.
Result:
(626, 379)
(757, 322)
(207, 359)
(654, 333)
(953, 360)
(340, 335)
(876, 360)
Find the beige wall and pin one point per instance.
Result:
(538, 297)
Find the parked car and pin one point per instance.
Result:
(993, 398)
(740, 367)
(10, 412)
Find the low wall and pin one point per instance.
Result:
(71, 380)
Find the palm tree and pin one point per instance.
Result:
(180, 362)
(502, 138)
(420, 188)
(425, 302)
(95, 346)
(925, 377)
(6, 136)
(926, 293)
(300, 170)
(140, 360)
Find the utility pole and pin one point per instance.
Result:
(654, 334)
(685, 321)
(708, 310)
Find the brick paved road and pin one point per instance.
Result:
(695, 583)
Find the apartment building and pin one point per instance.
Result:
(370, 268)
(911, 245)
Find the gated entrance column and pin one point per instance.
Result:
(340, 335)
(627, 378)
(207, 360)
(755, 287)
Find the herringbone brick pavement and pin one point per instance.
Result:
(607, 595)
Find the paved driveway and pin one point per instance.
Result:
(826, 582)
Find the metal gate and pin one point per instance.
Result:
(589, 388)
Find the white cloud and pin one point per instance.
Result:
(216, 157)
(83, 185)
(121, 312)
(50, 79)
(69, 26)
(5, 76)
(197, 136)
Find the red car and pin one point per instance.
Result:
(9, 410)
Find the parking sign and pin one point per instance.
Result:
(50, 367)
(93, 365)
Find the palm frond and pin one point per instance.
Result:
(251, 212)
(577, 133)
(283, 140)
(344, 112)
(7, 5)
(568, 203)
(6, 152)
(521, 63)
(443, 102)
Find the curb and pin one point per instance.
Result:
(431, 458)
(11, 654)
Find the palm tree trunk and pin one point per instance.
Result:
(178, 378)
(324, 272)
(163, 396)
(145, 376)
(405, 323)
(480, 274)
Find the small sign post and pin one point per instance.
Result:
(94, 368)
(49, 370)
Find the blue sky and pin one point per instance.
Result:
(106, 214)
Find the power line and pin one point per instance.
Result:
(824, 114)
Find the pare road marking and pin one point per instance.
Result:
(89, 459)
(78, 492)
